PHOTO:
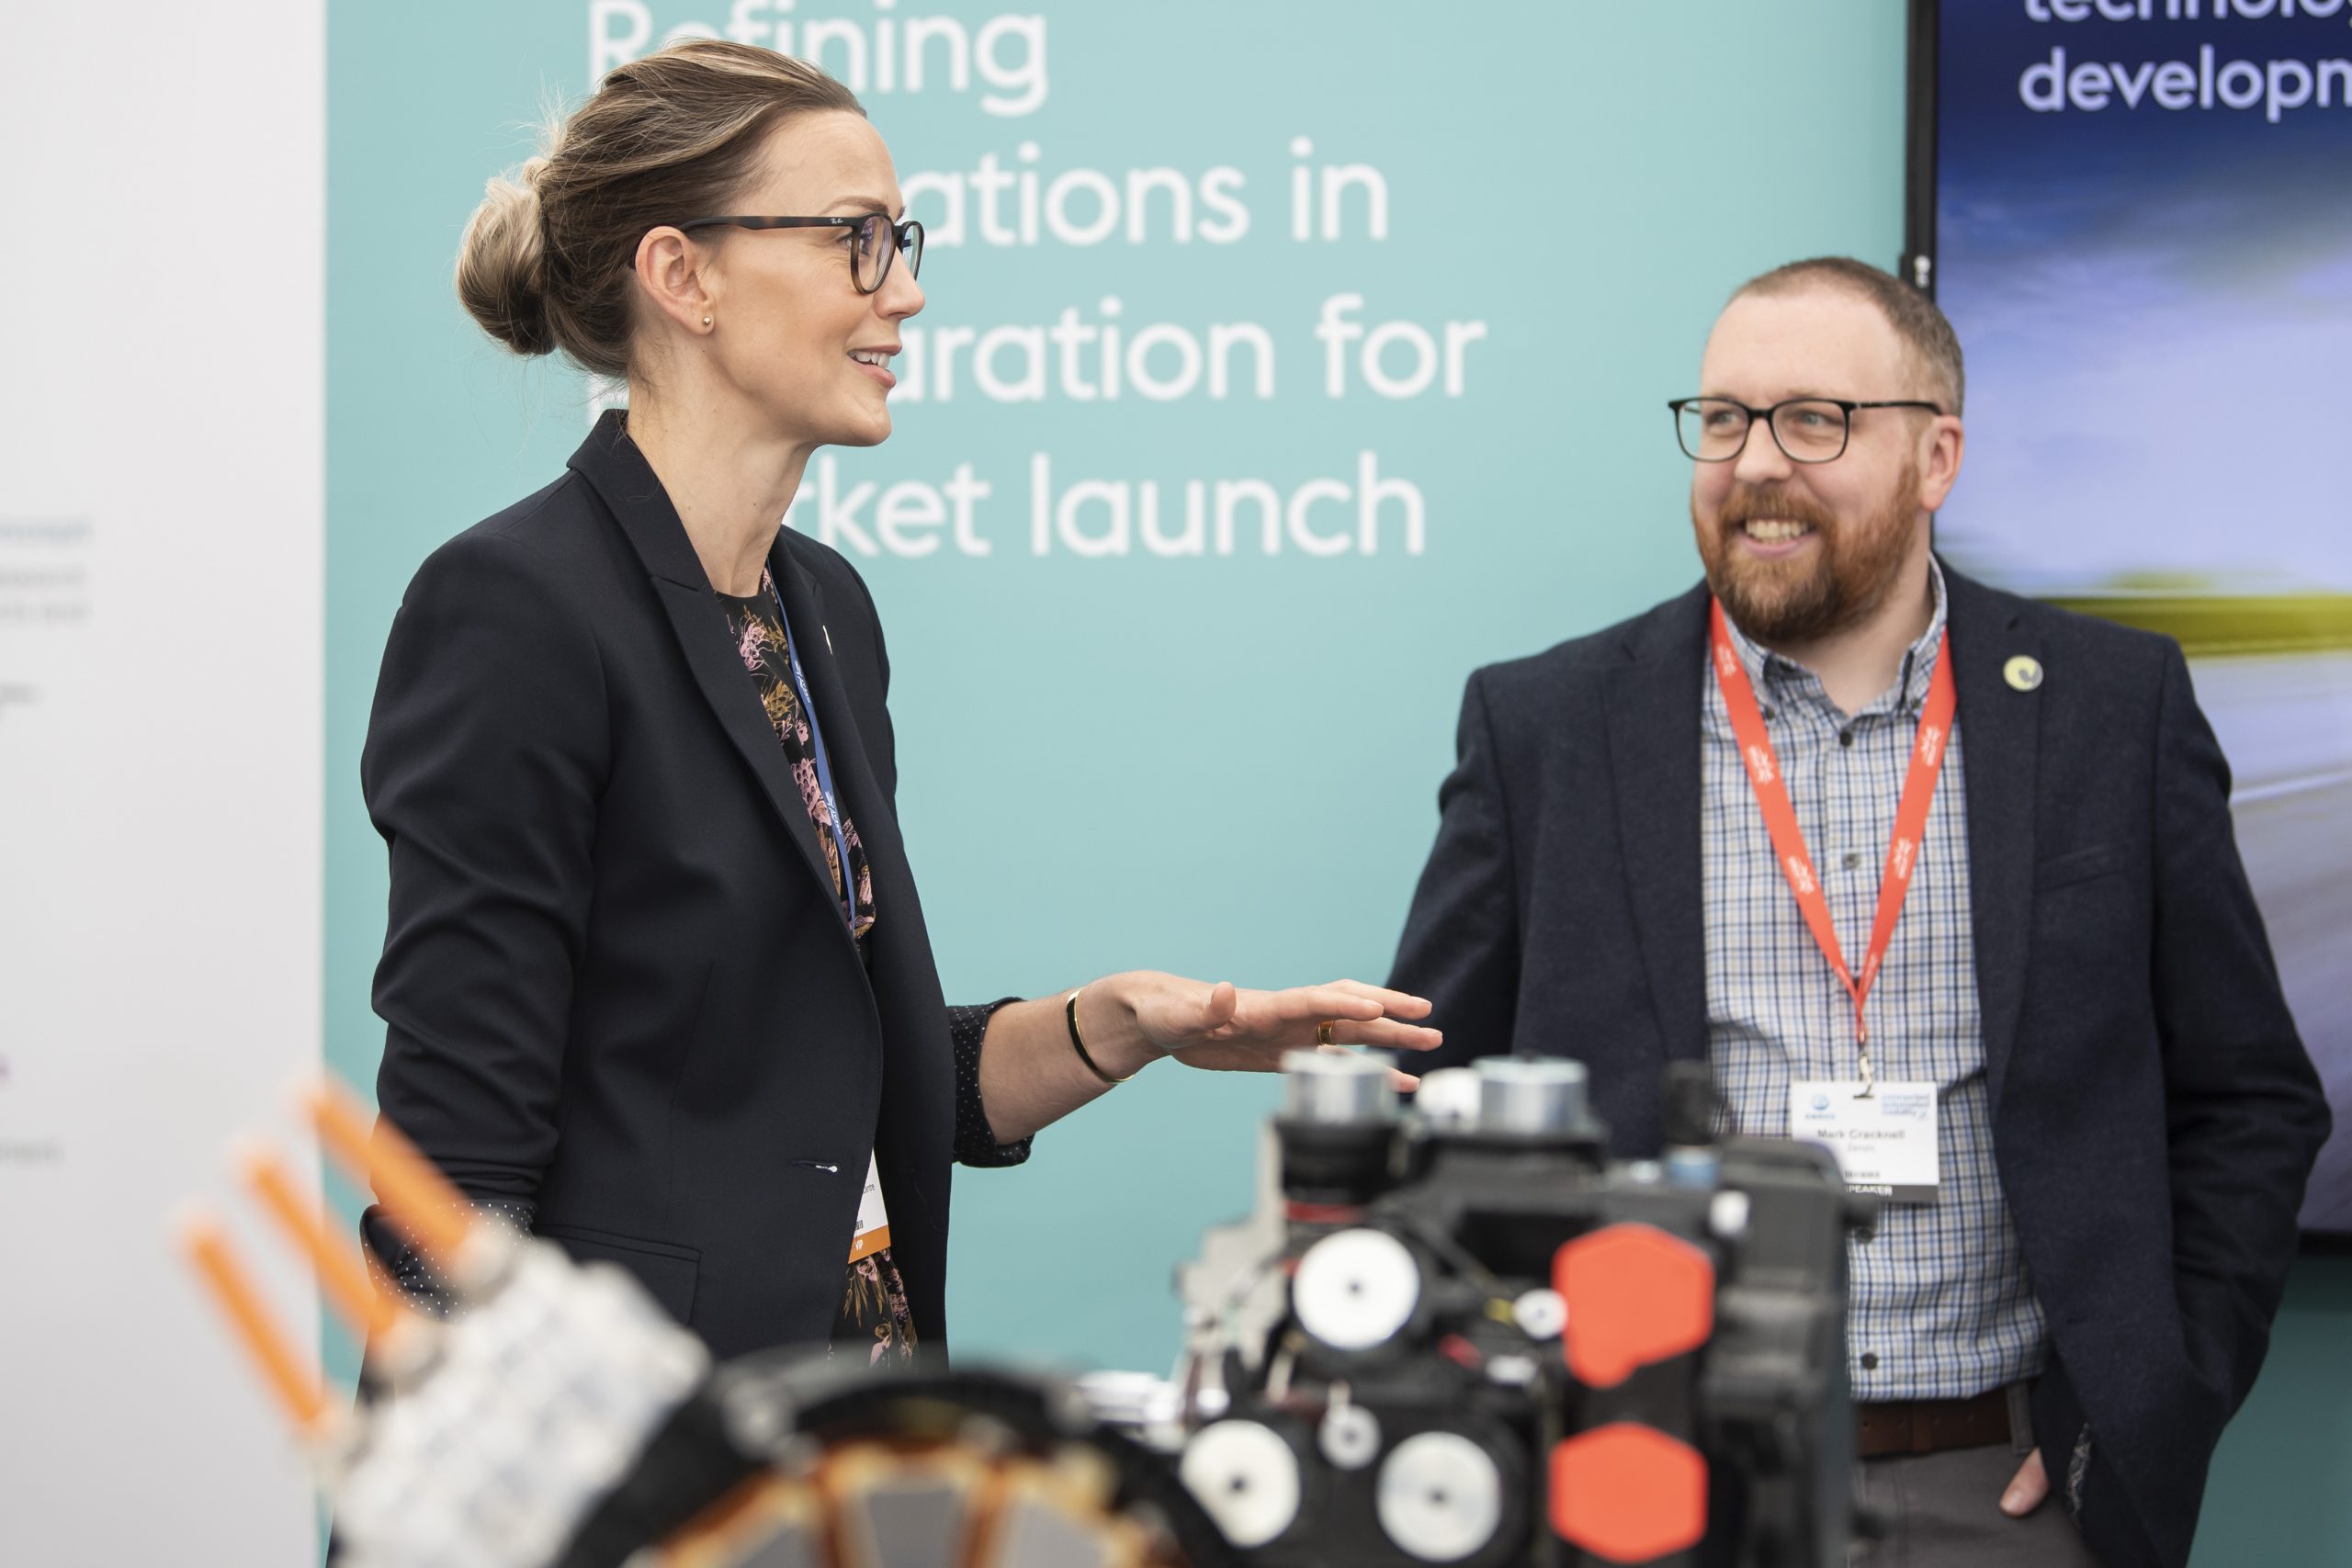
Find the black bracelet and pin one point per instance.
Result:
(1070, 1015)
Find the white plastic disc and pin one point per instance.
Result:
(1540, 1315)
(1449, 1098)
(1441, 1498)
(1247, 1478)
(1355, 1288)
(1348, 1437)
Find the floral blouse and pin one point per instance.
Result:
(757, 627)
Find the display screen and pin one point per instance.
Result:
(2144, 236)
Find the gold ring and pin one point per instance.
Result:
(1323, 1031)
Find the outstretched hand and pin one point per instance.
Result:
(1223, 1028)
(1030, 1077)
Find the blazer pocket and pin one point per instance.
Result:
(668, 1272)
(2077, 865)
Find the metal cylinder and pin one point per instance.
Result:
(1535, 1099)
(1694, 1166)
(1333, 1089)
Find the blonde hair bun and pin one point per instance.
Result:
(502, 263)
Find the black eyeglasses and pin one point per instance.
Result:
(1809, 430)
(877, 240)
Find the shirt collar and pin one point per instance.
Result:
(1770, 672)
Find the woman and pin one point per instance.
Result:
(656, 976)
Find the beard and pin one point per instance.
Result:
(1840, 584)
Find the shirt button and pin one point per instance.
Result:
(1854, 861)
(1845, 738)
(1866, 1235)
(1870, 1360)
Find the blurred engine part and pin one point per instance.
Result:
(1460, 1334)
(1453, 1334)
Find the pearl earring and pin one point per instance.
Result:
(706, 321)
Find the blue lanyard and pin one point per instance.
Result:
(825, 767)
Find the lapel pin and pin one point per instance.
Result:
(828, 641)
(2022, 673)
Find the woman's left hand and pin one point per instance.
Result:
(1223, 1028)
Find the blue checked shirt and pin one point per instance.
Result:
(1940, 1306)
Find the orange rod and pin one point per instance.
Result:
(348, 1289)
(430, 1211)
(287, 1374)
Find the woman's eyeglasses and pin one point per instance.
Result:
(875, 241)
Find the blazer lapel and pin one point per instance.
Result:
(2000, 729)
(1653, 718)
(861, 793)
(610, 462)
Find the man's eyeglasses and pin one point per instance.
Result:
(874, 239)
(1809, 430)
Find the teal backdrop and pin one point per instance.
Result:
(1224, 765)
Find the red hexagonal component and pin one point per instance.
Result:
(1628, 1492)
(1635, 1295)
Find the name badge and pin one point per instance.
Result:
(873, 1218)
(1884, 1141)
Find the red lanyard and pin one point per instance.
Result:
(1788, 838)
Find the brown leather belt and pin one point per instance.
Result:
(1931, 1425)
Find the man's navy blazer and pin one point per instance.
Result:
(2154, 1115)
(619, 983)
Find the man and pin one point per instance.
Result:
(1971, 908)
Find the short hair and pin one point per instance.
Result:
(1924, 330)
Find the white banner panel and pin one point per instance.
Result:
(160, 743)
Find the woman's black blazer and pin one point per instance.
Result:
(619, 986)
